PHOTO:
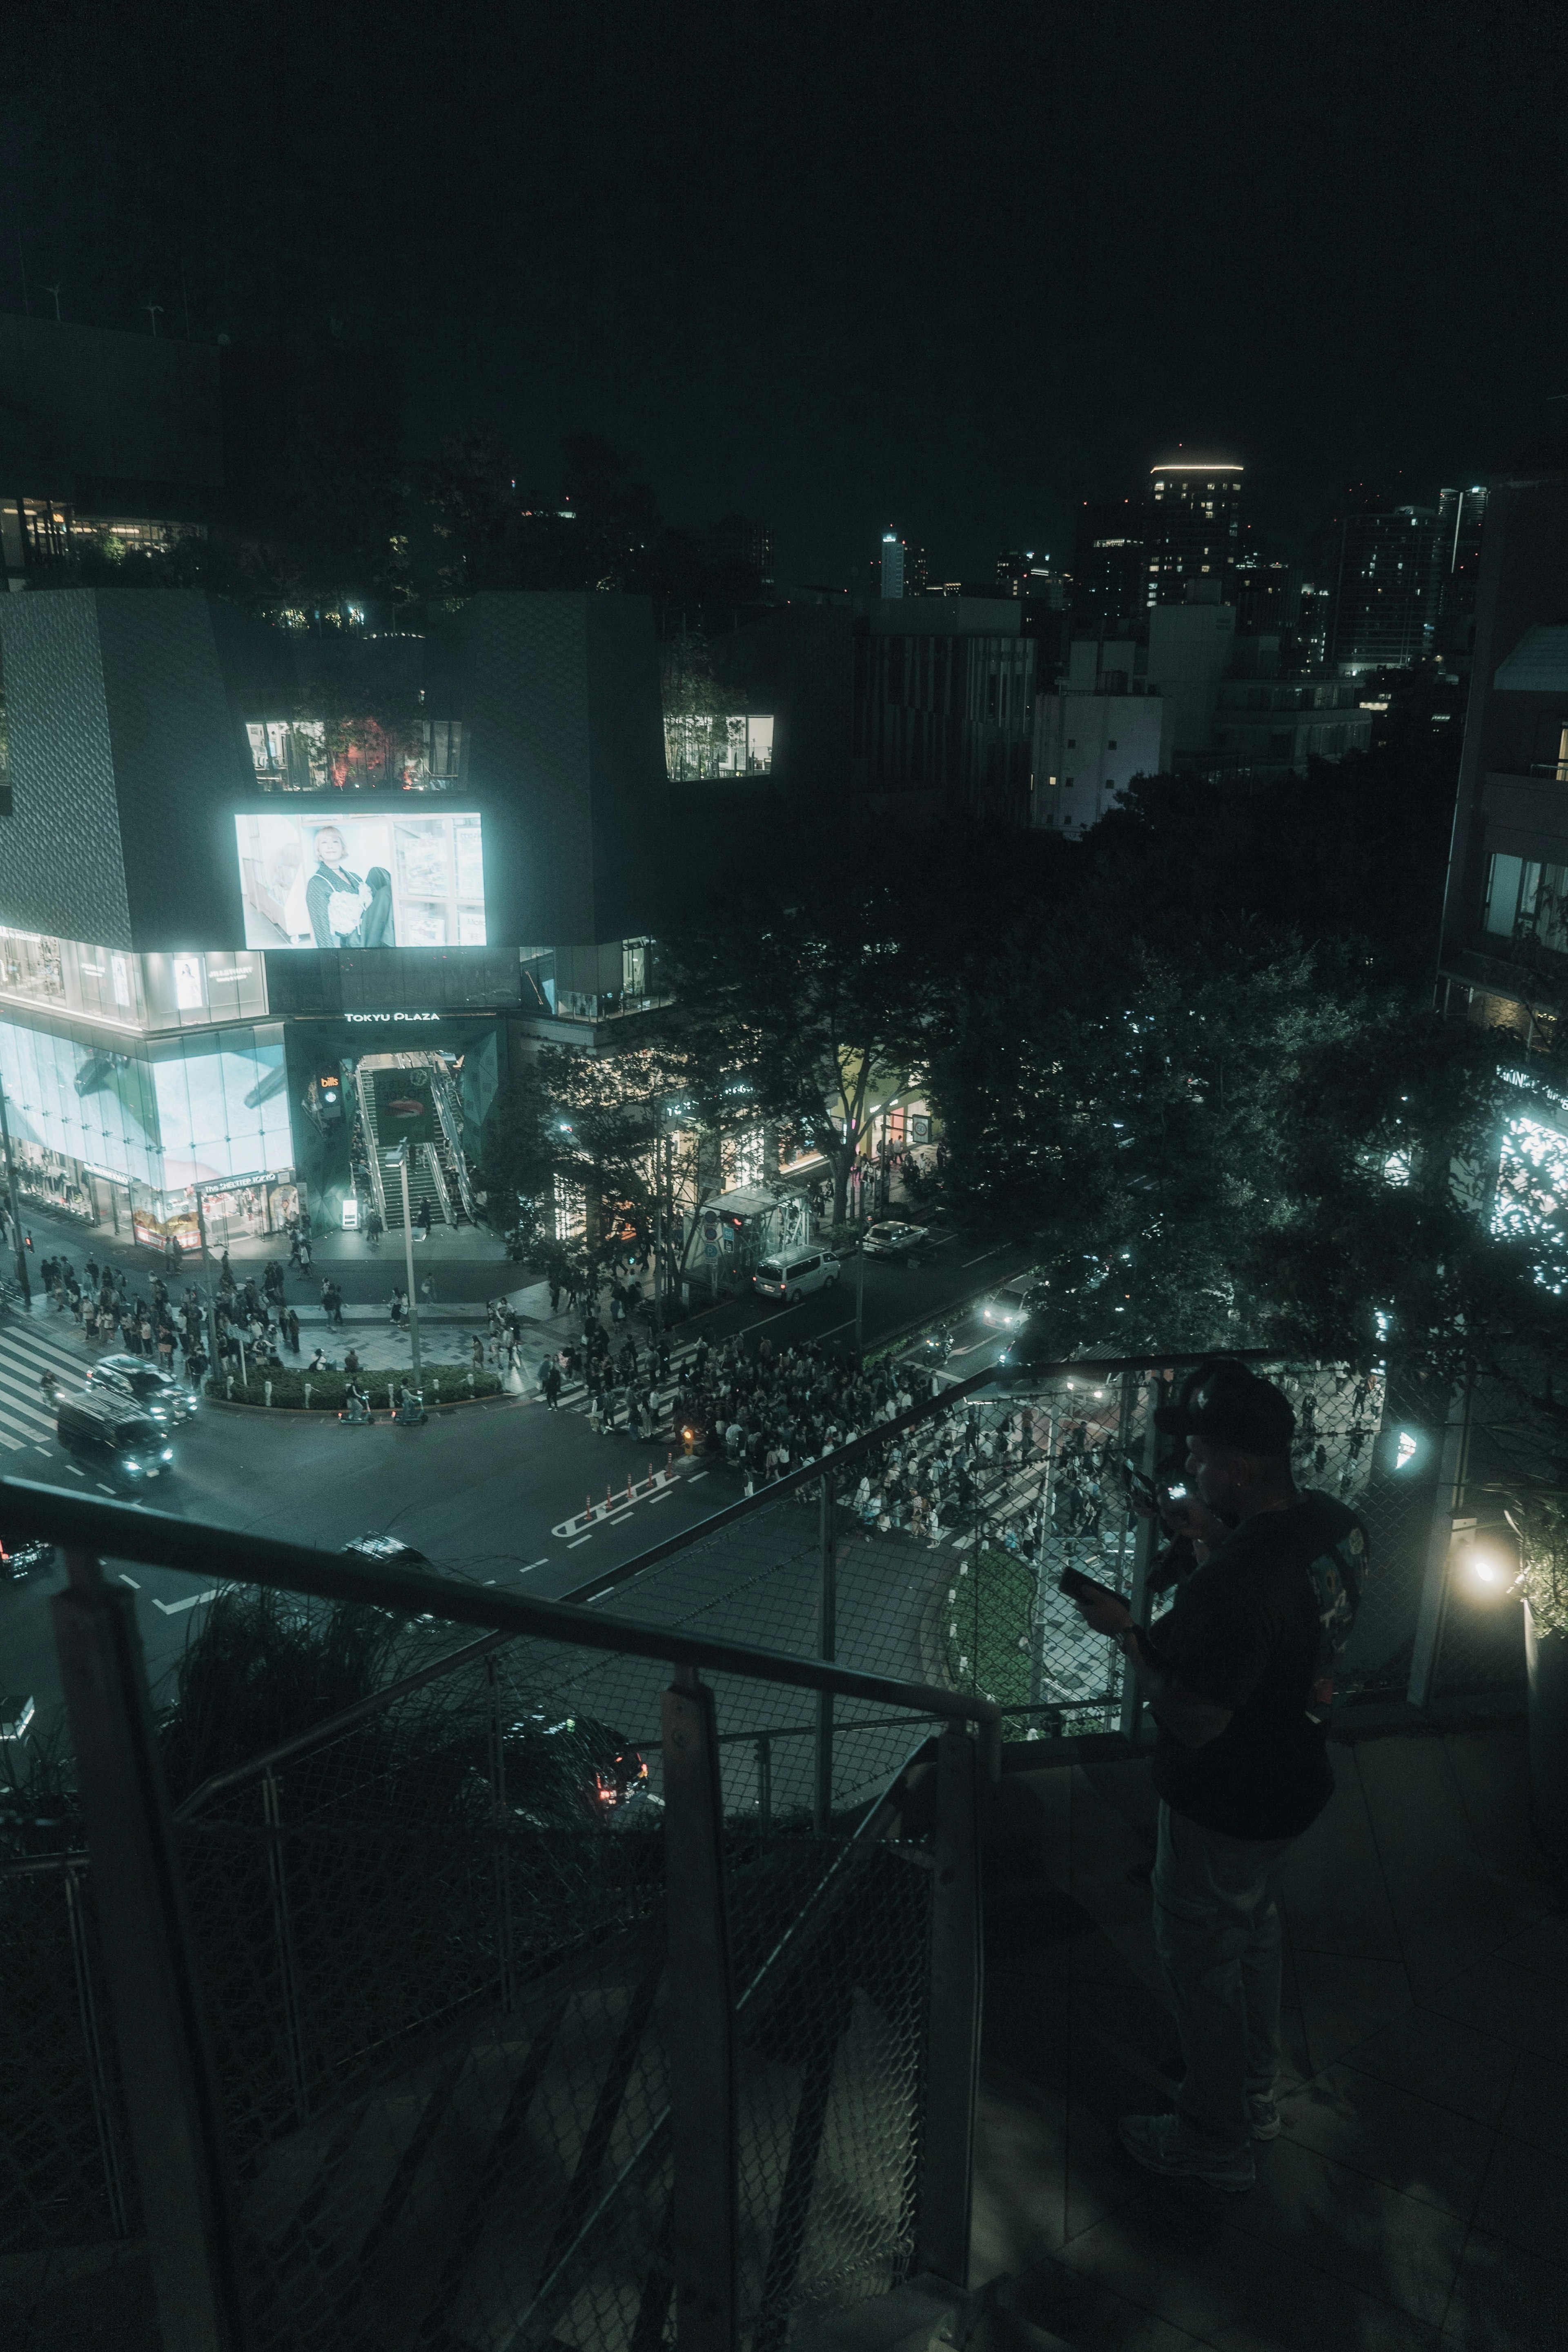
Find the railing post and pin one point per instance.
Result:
(1144, 1543)
(764, 1782)
(92, 2041)
(149, 1958)
(828, 1648)
(952, 2028)
(293, 2040)
(1432, 1609)
(701, 2012)
(498, 1800)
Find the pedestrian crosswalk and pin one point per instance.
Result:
(27, 1350)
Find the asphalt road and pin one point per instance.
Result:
(486, 1491)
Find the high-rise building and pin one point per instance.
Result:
(1194, 527)
(1505, 914)
(1461, 516)
(735, 544)
(110, 445)
(1379, 562)
(917, 575)
(1013, 569)
(892, 564)
(213, 901)
(1111, 573)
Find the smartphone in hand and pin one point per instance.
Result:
(1079, 1587)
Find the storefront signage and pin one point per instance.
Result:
(390, 1016)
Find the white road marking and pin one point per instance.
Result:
(696, 1475)
(619, 1520)
(984, 1255)
(535, 1563)
(174, 1608)
(581, 1540)
(661, 1498)
(130, 1580)
(74, 1471)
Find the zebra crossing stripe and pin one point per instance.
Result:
(27, 1428)
(31, 1345)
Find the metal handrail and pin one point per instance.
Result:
(474, 1652)
(123, 1532)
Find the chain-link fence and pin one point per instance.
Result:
(435, 1943)
(435, 1952)
(68, 2202)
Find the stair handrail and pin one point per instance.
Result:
(372, 1141)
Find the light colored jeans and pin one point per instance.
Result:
(1216, 1930)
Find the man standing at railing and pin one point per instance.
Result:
(1241, 1768)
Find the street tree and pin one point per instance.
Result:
(801, 982)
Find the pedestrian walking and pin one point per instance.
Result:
(291, 1329)
(1241, 1767)
(423, 1221)
(478, 1353)
(552, 1388)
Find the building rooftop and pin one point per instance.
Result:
(1537, 664)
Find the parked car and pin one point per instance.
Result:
(789, 1273)
(892, 1238)
(156, 1392)
(115, 1432)
(18, 1561)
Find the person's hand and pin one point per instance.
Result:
(1104, 1612)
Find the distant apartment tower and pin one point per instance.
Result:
(110, 445)
(1110, 577)
(1379, 562)
(1461, 517)
(1013, 569)
(1195, 527)
(734, 543)
(892, 564)
(1505, 919)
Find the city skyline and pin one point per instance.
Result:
(793, 323)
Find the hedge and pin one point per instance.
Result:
(986, 1626)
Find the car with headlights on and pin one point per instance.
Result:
(115, 1433)
(1017, 1303)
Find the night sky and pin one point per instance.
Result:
(956, 268)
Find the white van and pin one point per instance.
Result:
(789, 1273)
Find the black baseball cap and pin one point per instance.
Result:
(1230, 1404)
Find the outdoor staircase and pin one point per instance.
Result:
(508, 2185)
(437, 1176)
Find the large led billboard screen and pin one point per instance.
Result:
(349, 880)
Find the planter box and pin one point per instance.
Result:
(1546, 1662)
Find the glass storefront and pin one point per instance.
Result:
(122, 991)
(89, 1111)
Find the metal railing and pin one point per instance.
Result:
(415, 2055)
(405, 2051)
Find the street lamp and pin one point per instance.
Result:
(208, 1278)
(400, 1157)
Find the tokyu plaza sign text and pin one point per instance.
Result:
(390, 1016)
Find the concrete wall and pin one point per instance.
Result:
(1101, 741)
